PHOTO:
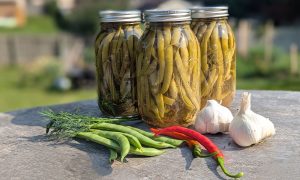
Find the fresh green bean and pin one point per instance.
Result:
(133, 140)
(113, 155)
(143, 139)
(174, 142)
(119, 138)
(146, 151)
(111, 144)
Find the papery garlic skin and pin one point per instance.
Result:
(249, 128)
(213, 118)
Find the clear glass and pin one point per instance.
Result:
(218, 59)
(115, 49)
(168, 74)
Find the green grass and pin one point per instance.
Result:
(291, 84)
(14, 97)
(34, 24)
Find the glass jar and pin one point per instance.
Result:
(115, 49)
(168, 69)
(218, 54)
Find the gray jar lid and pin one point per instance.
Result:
(209, 12)
(167, 15)
(120, 16)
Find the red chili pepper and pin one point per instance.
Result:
(204, 141)
(192, 144)
(176, 135)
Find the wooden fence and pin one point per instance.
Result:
(21, 49)
(284, 38)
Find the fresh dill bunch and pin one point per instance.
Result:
(66, 125)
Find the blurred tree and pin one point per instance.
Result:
(51, 9)
(280, 11)
(83, 19)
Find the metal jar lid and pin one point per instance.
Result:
(209, 12)
(167, 15)
(120, 16)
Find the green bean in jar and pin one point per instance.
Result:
(218, 54)
(115, 49)
(168, 69)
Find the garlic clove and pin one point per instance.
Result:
(248, 127)
(213, 118)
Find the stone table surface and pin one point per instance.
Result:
(25, 152)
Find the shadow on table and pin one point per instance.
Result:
(188, 157)
(211, 164)
(98, 154)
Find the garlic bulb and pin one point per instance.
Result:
(247, 127)
(213, 118)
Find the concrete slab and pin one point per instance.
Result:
(25, 152)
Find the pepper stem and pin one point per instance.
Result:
(220, 161)
(197, 152)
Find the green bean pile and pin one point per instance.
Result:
(168, 74)
(115, 49)
(218, 60)
(120, 139)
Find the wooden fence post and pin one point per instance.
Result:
(243, 38)
(12, 54)
(294, 59)
(268, 40)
